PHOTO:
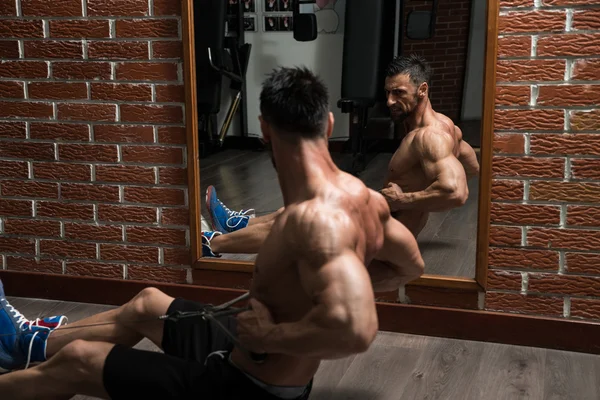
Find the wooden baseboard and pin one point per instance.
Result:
(101, 290)
(561, 334)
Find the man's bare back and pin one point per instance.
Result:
(312, 264)
(432, 153)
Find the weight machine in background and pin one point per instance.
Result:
(374, 32)
(221, 51)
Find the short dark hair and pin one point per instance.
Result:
(414, 65)
(295, 101)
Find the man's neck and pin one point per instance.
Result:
(419, 117)
(301, 167)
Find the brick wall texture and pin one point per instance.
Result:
(545, 220)
(446, 52)
(92, 142)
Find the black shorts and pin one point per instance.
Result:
(195, 365)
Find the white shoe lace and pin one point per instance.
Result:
(220, 353)
(241, 215)
(21, 320)
(30, 349)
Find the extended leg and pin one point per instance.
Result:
(234, 231)
(106, 371)
(22, 345)
(130, 323)
(247, 240)
(76, 369)
(263, 219)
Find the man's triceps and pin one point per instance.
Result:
(401, 250)
(343, 317)
(468, 158)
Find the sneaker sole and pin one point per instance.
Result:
(207, 203)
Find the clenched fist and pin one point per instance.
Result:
(254, 326)
(392, 193)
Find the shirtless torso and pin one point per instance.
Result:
(315, 250)
(416, 165)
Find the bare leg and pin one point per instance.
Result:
(247, 240)
(265, 218)
(127, 327)
(76, 369)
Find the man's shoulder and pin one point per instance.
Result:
(432, 138)
(315, 214)
(319, 227)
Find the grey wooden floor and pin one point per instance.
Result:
(246, 179)
(399, 367)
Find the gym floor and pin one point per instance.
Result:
(401, 366)
(247, 179)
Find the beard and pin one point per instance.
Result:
(399, 115)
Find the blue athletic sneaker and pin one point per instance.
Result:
(222, 218)
(54, 322)
(20, 342)
(206, 238)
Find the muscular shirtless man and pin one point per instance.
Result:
(311, 297)
(427, 173)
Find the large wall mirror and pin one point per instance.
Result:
(230, 47)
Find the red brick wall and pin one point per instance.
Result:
(545, 238)
(446, 51)
(92, 141)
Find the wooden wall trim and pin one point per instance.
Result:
(191, 124)
(579, 336)
(486, 326)
(487, 135)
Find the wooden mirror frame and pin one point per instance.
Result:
(477, 284)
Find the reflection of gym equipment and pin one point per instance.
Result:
(420, 25)
(221, 51)
(305, 22)
(368, 49)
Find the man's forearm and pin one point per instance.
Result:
(307, 338)
(432, 199)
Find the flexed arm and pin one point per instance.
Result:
(449, 184)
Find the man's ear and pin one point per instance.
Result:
(423, 90)
(330, 123)
(265, 129)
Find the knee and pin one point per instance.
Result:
(142, 305)
(78, 354)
